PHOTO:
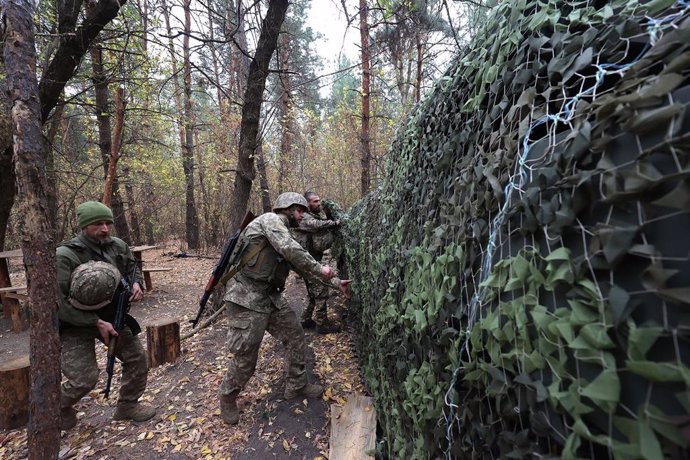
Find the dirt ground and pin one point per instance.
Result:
(188, 425)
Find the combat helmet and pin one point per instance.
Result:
(93, 285)
(287, 199)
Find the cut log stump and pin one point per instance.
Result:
(163, 342)
(353, 429)
(14, 393)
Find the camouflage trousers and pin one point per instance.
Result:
(80, 369)
(246, 331)
(317, 308)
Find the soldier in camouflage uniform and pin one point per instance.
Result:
(87, 307)
(315, 234)
(265, 253)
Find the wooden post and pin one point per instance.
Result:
(14, 393)
(353, 429)
(163, 342)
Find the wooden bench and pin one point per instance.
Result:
(14, 292)
(9, 296)
(147, 275)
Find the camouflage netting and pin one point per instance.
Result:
(523, 273)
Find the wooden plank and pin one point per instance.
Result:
(11, 254)
(16, 295)
(12, 289)
(353, 429)
(142, 248)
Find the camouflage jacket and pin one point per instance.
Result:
(260, 296)
(79, 250)
(315, 233)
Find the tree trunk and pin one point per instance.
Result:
(420, 62)
(209, 238)
(183, 125)
(365, 147)
(133, 214)
(73, 46)
(105, 139)
(39, 248)
(50, 166)
(285, 159)
(148, 213)
(8, 187)
(263, 179)
(192, 219)
(115, 146)
(251, 109)
(8, 190)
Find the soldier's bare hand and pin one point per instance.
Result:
(105, 329)
(327, 272)
(345, 288)
(137, 293)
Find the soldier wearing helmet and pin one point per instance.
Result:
(89, 268)
(315, 234)
(265, 253)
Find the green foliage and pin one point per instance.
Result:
(521, 276)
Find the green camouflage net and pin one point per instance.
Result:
(522, 275)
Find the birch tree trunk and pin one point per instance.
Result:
(37, 243)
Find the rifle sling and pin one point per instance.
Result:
(243, 261)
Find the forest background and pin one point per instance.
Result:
(158, 97)
(181, 115)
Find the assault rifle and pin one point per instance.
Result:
(118, 325)
(221, 266)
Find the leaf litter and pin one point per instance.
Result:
(188, 424)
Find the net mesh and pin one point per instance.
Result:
(522, 274)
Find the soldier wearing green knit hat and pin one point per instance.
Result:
(91, 212)
(87, 306)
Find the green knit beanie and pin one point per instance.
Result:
(90, 212)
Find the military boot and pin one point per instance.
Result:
(310, 390)
(68, 415)
(327, 327)
(308, 324)
(228, 408)
(68, 418)
(133, 411)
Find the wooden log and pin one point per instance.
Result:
(353, 429)
(14, 393)
(163, 342)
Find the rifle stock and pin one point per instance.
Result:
(221, 267)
